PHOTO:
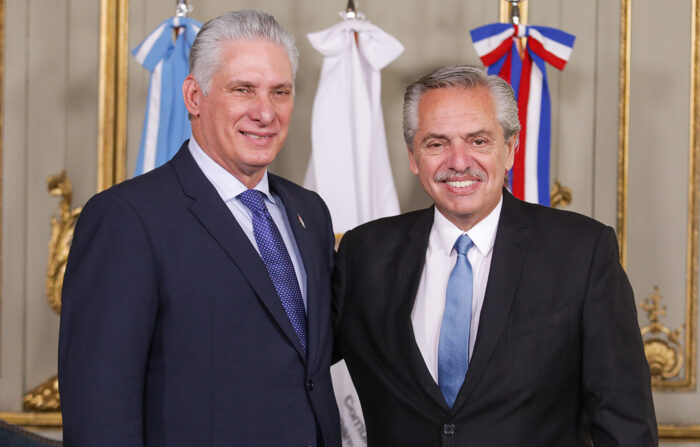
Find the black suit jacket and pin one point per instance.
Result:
(172, 333)
(558, 336)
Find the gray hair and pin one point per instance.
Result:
(467, 77)
(245, 24)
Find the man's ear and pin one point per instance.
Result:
(512, 147)
(191, 94)
(412, 165)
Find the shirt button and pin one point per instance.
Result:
(310, 385)
(448, 429)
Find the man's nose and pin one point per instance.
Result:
(262, 110)
(459, 156)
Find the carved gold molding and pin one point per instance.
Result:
(45, 420)
(111, 139)
(663, 347)
(679, 432)
(2, 133)
(560, 195)
(623, 127)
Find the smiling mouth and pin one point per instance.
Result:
(254, 136)
(461, 184)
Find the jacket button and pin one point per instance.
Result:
(310, 385)
(448, 429)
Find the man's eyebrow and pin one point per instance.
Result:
(240, 83)
(288, 85)
(478, 133)
(437, 136)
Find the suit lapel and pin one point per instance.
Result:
(217, 219)
(509, 252)
(295, 213)
(409, 266)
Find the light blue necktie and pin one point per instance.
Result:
(276, 258)
(453, 352)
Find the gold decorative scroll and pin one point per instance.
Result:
(662, 346)
(45, 397)
(560, 195)
(61, 237)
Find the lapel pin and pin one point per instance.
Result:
(301, 221)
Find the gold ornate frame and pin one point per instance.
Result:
(2, 133)
(690, 323)
(114, 51)
(667, 431)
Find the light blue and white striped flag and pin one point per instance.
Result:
(165, 125)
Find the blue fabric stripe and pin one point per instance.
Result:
(489, 30)
(560, 36)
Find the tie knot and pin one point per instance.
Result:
(254, 200)
(462, 245)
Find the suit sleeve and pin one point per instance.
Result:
(616, 378)
(107, 320)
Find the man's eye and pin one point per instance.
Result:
(241, 89)
(282, 93)
(479, 142)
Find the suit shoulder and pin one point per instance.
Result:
(150, 187)
(388, 231)
(562, 226)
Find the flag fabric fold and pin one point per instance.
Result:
(165, 124)
(497, 46)
(349, 164)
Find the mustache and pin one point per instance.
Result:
(452, 174)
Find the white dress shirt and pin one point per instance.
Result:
(440, 258)
(229, 187)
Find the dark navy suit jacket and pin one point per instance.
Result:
(172, 333)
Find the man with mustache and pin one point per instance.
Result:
(485, 320)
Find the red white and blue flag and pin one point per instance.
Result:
(497, 46)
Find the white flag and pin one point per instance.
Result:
(349, 164)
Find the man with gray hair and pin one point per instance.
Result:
(485, 320)
(196, 301)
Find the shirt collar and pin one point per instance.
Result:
(225, 183)
(483, 234)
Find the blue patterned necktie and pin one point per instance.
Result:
(276, 258)
(453, 352)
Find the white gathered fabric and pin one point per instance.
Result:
(349, 164)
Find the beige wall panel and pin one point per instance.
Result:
(81, 98)
(606, 87)
(658, 172)
(46, 151)
(574, 116)
(14, 207)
